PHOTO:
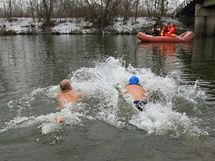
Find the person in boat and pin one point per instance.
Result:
(172, 31)
(66, 96)
(155, 30)
(137, 93)
(165, 30)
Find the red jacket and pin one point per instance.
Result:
(172, 30)
(164, 30)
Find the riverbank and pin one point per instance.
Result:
(26, 26)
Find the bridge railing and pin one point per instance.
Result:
(184, 4)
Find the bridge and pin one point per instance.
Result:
(202, 12)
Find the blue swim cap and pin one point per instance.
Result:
(133, 80)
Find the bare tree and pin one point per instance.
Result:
(101, 13)
(149, 7)
(31, 9)
(163, 7)
(10, 8)
(157, 8)
(7, 7)
(47, 9)
(136, 9)
(127, 4)
(19, 8)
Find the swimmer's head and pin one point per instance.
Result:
(133, 80)
(65, 85)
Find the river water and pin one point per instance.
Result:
(179, 80)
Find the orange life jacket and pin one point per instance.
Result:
(164, 30)
(172, 30)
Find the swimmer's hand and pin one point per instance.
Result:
(79, 93)
(59, 105)
(58, 120)
(59, 108)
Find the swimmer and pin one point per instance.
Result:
(137, 92)
(66, 96)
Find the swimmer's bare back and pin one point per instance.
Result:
(137, 92)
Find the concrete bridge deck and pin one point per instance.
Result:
(189, 5)
(208, 3)
(203, 13)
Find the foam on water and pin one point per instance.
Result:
(104, 99)
(46, 122)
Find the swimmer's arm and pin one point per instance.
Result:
(59, 103)
(126, 90)
(78, 96)
(145, 95)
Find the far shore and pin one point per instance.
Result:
(26, 26)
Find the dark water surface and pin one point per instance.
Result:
(31, 65)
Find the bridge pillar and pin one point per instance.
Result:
(204, 20)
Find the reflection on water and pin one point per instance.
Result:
(203, 58)
(203, 50)
(161, 57)
(202, 64)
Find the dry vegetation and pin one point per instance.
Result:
(100, 12)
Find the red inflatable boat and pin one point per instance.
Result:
(185, 37)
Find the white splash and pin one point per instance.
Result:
(104, 99)
(70, 115)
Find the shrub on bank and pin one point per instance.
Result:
(79, 26)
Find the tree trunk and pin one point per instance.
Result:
(136, 10)
(10, 9)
